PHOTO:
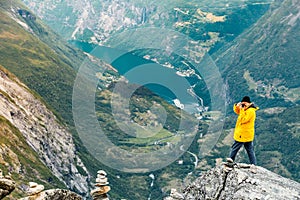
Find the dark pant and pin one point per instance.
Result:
(249, 148)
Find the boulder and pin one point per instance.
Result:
(34, 188)
(240, 183)
(6, 187)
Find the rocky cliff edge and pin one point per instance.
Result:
(241, 182)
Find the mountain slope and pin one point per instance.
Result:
(42, 131)
(266, 56)
(49, 73)
(32, 59)
(264, 64)
(14, 154)
(27, 127)
(48, 70)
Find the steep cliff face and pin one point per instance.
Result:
(240, 183)
(42, 131)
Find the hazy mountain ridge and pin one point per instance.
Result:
(84, 18)
(96, 21)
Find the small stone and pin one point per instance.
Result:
(32, 184)
(52, 194)
(100, 197)
(100, 190)
(34, 188)
(99, 193)
(6, 184)
(101, 176)
(229, 160)
(243, 165)
(101, 184)
(101, 180)
(102, 172)
(218, 161)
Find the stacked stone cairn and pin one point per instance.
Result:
(102, 188)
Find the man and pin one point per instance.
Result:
(244, 129)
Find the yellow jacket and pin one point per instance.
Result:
(244, 128)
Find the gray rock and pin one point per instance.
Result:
(61, 195)
(34, 188)
(54, 194)
(242, 183)
(100, 196)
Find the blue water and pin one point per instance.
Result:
(162, 81)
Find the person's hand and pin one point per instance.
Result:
(239, 104)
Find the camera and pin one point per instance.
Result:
(243, 105)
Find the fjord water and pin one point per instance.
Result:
(167, 84)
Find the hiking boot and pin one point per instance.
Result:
(253, 169)
(229, 160)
